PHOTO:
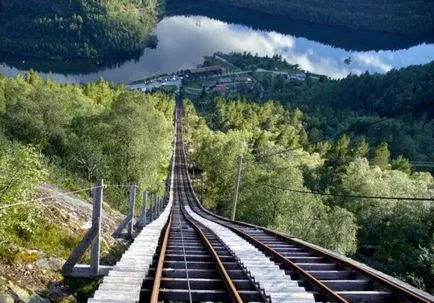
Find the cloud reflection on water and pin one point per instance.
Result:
(184, 41)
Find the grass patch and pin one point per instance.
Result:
(7, 253)
(26, 257)
(30, 228)
(194, 84)
(54, 241)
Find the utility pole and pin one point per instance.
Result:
(201, 188)
(237, 185)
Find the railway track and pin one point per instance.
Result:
(193, 265)
(329, 277)
(188, 254)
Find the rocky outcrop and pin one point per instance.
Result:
(11, 293)
(33, 275)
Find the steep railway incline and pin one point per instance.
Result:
(328, 276)
(193, 265)
(189, 254)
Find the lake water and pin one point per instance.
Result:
(194, 31)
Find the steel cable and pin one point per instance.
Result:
(60, 195)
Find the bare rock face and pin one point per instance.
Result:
(33, 275)
(10, 292)
(50, 262)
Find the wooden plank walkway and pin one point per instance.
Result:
(124, 281)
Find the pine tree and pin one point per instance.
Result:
(361, 149)
(402, 164)
(382, 156)
(338, 154)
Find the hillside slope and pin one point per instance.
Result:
(75, 28)
(30, 270)
(71, 135)
(397, 16)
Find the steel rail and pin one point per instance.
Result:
(159, 271)
(402, 291)
(314, 282)
(415, 297)
(393, 286)
(233, 292)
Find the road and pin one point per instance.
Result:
(156, 84)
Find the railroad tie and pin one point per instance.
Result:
(124, 281)
(276, 284)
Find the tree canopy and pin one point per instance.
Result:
(76, 28)
(93, 130)
(280, 190)
(405, 17)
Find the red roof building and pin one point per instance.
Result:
(207, 69)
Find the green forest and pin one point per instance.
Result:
(72, 135)
(314, 166)
(92, 29)
(276, 188)
(76, 28)
(346, 164)
(403, 100)
(397, 16)
(311, 149)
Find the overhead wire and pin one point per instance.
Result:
(343, 195)
(118, 185)
(25, 202)
(318, 193)
(46, 198)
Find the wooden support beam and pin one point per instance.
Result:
(92, 237)
(78, 252)
(129, 219)
(96, 223)
(161, 205)
(156, 207)
(141, 221)
(133, 188)
(83, 271)
(151, 207)
(237, 186)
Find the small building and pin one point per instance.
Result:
(214, 69)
